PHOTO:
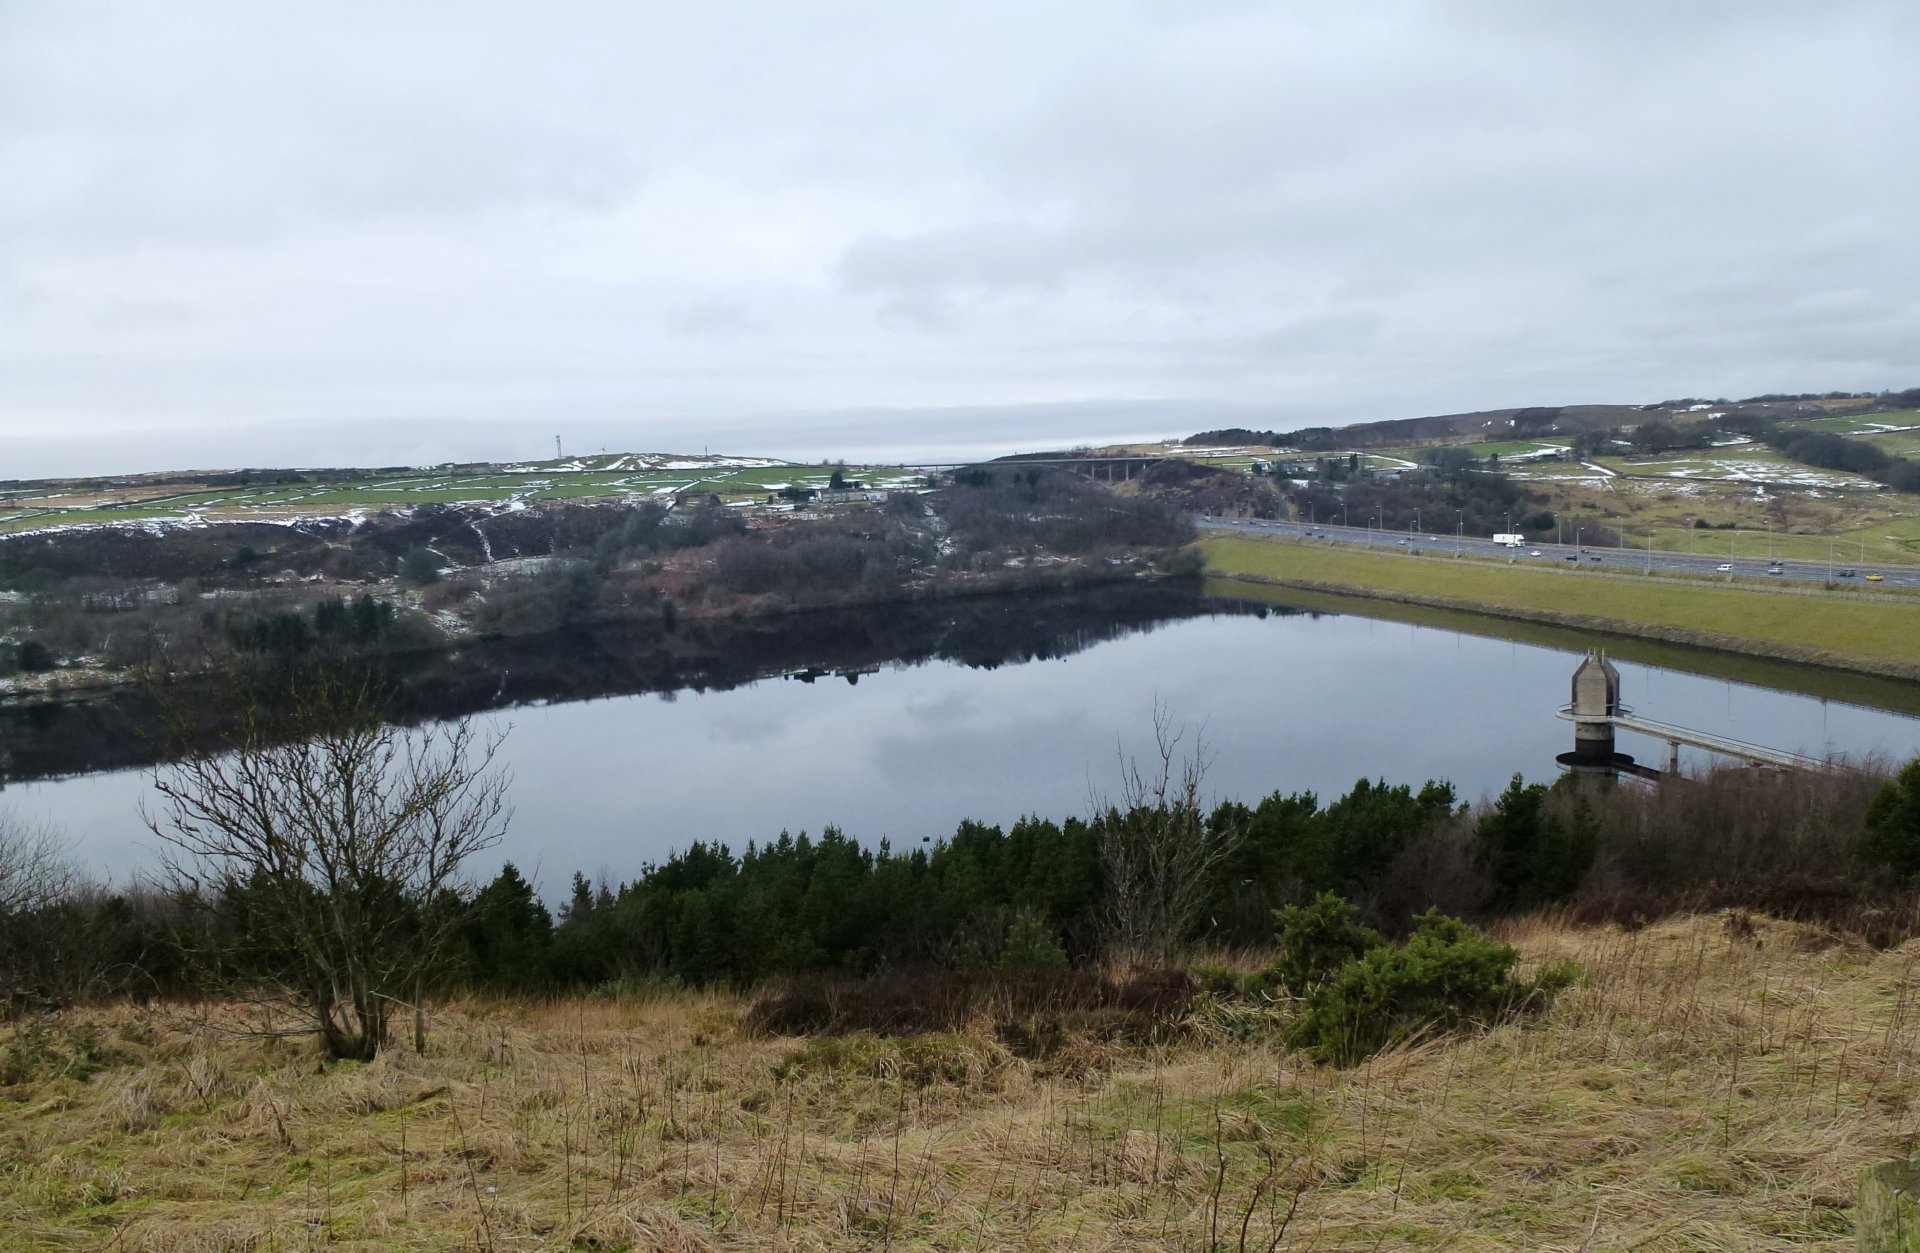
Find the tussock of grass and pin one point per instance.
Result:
(1877, 635)
(1717, 1082)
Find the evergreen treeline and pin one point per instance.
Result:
(1034, 894)
(335, 621)
(801, 903)
(982, 898)
(1842, 847)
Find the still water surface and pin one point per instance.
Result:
(1293, 702)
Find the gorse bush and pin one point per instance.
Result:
(1447, 976)
(1316, 942)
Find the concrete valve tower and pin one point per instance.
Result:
(1596, 714)
(1596, 702)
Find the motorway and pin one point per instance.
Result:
(1561, 556)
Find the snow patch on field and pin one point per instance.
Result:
(628, 462)
(184, 522)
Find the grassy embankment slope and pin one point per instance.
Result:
(1710, 1085)
(1879, 636)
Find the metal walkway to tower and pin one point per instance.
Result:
(1596, 713)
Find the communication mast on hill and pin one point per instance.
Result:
(556, 448)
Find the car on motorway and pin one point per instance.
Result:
(1725, 567)
(1847, 573)
(1776, 571)
(1876, 578)
(1534, 553)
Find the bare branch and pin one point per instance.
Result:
(328, 843)
(1159, 850)
(36, 868)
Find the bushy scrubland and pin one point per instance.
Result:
(1712, 1081)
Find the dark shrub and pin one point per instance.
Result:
(419, 568)
(33, 657)
(1535, 852)
(1316, 941)
(1892, 837)
(1445, 977)
(1031, 943)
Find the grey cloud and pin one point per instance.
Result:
(242, 217)
(713, 319)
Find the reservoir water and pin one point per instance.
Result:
(1285, 699)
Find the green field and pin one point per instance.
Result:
(1508, 447)
(1896, 443)
(1894, 543)
(1752, 460)
(1854, 424)
(1490, 448)
(1871, 634)
(1824, 682)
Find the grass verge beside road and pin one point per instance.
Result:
(1877, 636)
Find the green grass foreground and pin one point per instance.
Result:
(1879, 636)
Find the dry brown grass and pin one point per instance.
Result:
(1717, 1083)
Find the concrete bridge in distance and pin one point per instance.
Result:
(1596, 713)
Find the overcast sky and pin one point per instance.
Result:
(246, 233)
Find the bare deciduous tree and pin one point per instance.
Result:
(328, 843)
(35, 870)
(36, 875)
(1158, 851)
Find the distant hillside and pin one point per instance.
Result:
(1543, 420)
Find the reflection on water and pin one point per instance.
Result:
(1296, 701)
